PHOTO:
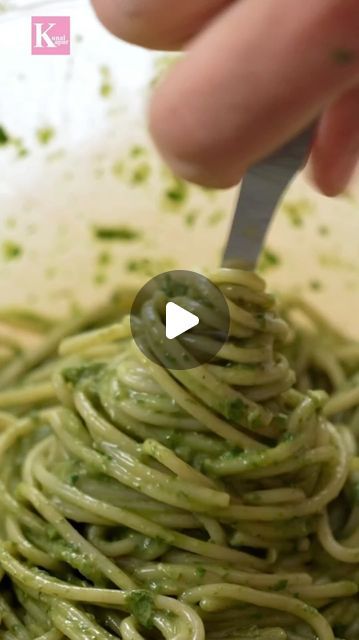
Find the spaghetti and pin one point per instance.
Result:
(219, 502)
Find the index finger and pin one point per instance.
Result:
(259, 73)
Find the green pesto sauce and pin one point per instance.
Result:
(234, 410)
(148, 267)
(191, 218)
(233, 453)
(18, 145)
(176, 193)
(141, 173)
(104, 258)
(100, 278)
(172, 288)
(316, 285)
(200, 572)
(137, 151)
(215, 218)
(297, 210)
(141, 606)
(280, 586)
(106, 87)
(74, 375)
(4, 137)
(44, 135)
(11, 250)
(122, 233)
(73, 479)
(268, 260)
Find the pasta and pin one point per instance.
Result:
(219, 502)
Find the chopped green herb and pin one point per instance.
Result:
(137, 151)
(287, 437)
(255, 419)
(73, 375)
(268, 260)
(45, 135)
(104, 258)
(22, 152)
(235, 452)
(73, 479)
(323, 230)
(106, 89)
(235, 410)
(201, 572)
(170, 361)
(177, 192)
(335, 262)
(19, 146)
(140, 604)
(139, 266)
(141, 173)
(342, 55)
(11, 250)
(104, 70)
(148, 267)
(116, 233)
(4, 137)
(280, 586)
(172, 288)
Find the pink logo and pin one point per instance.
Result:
(50, 35)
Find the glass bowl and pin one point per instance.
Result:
(88, 206)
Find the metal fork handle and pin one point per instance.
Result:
(262, 187)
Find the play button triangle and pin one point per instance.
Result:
(178, 320)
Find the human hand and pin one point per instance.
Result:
(255, 73)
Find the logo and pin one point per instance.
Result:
(50, 35)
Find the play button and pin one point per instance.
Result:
(180, 320)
